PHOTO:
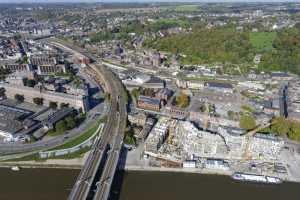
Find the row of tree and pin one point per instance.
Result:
(284, 127)
(39, 101)
(66, 124)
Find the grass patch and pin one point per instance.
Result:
(262, 41)
(37, 158)
(187, 8)
(173, 22)
(76, 154)
(54, 133)
(32, 157)
(83, 137)
(248, 108)
(206, 78)
(250, 95)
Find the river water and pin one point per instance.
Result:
(55, 184)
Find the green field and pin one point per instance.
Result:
(78, 140)
(262, 41)
(187, 8)
(36, 157)
(173, 22)
(83, 137)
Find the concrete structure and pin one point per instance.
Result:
(164, 94)
(138, 119)
(51, 120)
(157, 136)
(217, 164)
(149, 103)
(51, 69)
(42, 60)
(220, 87)
(189, 164)
(17, 67)
(265, 147)
(78, 102)
(145, 131)
(12, 121)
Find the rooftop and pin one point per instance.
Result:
(149, 100)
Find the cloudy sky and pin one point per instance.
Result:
(44, 1)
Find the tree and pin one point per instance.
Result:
(38, 101)
(3, 73)
(202, 108)
(70, 121)
(248, 108)
(129, 140)
(53, 105)
(107, 97)
(149, 92)
(280, 126)
(25, 81)
(211, 108)
(294, 133)
(232, 115)
(182, 100)
(20, 98)
(61, 126)
(2, 92)
(247, 122)
(135, 93)
(30, 83)
(64, 105)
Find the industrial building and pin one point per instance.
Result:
(13, 67)
(149, 103)
(11, 121)
(29, 93)
(220, 87)
(51, 69)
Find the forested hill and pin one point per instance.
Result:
(286, 53)
(280, 50)
(207, 46)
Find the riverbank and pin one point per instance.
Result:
(177, 170)
(136, 168)
(75, 163)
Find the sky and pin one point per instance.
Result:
(87, 1)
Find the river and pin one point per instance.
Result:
(55, 184)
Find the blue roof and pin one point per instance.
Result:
(149, 100)
(219, 85)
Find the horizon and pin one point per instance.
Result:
(147, 1)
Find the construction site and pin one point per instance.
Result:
(181, 142)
